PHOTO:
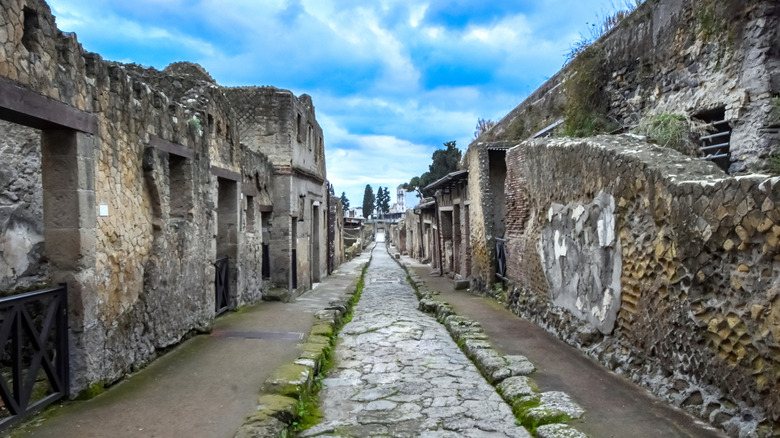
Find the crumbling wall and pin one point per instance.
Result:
(487, 218)
(23, 265)
(140, 265)
(672, 56)
(657, 265)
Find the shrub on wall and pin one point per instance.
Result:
(675, 131)
(585, 112)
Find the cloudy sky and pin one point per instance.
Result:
(391, 80)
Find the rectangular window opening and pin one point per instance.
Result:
(180, 186)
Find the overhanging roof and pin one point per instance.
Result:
(448, 180)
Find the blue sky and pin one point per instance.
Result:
(391, 81)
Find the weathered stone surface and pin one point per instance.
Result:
(397, 372)
(290, 380)
(558, 431)
(512, 388)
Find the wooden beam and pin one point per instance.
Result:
(171, 148)
(224, 173)
(22, 106)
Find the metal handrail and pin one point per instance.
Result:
(46, 349)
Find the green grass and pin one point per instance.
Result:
(669, 130)
(585, 111)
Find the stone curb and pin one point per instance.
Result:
(543, 414)
(293, 383)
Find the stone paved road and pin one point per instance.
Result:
(398, 373)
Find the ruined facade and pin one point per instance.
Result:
(129, 184)
(657, 264)
(451, 207)
(285, 128)
(709, 59)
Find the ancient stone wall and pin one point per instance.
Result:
(657, 265)
(23, 266)
(136, 208)
(284, 128)
(673, 56)
(487, 211)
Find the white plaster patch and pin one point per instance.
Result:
(600, 312)
(577, 213)
(606, 230)
(560, 245)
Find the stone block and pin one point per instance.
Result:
(558, 431)
(515, 387)
(70, 248)
(461, 284)
(290, 380)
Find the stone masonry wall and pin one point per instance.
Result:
(658, 266)
(144, 278)
(23, 266)
(676, 56)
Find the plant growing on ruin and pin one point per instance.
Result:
(672, 131)
(774, 112)
(601, 26)
(482, 127)
(586, 106)
(194, 123)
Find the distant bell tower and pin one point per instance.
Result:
(400, 195)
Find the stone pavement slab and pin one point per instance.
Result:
(206, 386)
(397, 372)
(614, 406)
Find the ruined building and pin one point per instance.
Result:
(158, 198)
(661, 264)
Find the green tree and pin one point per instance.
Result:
(383, 200)
(344, 200)
(443, 162)
(368, 201)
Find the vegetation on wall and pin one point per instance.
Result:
(585, 111)
(774, 113)
(674, 131)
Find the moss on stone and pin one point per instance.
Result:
(91, 391)
(289, 380)
(539, 416)
(284, 409)
(322, 330)
(318, 339)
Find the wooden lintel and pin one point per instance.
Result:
(248, 190)
(22, 106)
(170, 147)
(224, 173)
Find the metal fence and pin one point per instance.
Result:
(222, 285)
(34, 362)
(501, 258)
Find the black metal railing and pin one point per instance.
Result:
(501, 258)
(294, 267)
(266, 261)
(222, 285)
(34, 362)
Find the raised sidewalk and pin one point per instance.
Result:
(614, 406)
(207, 386)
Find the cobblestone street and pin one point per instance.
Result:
(397, 372)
